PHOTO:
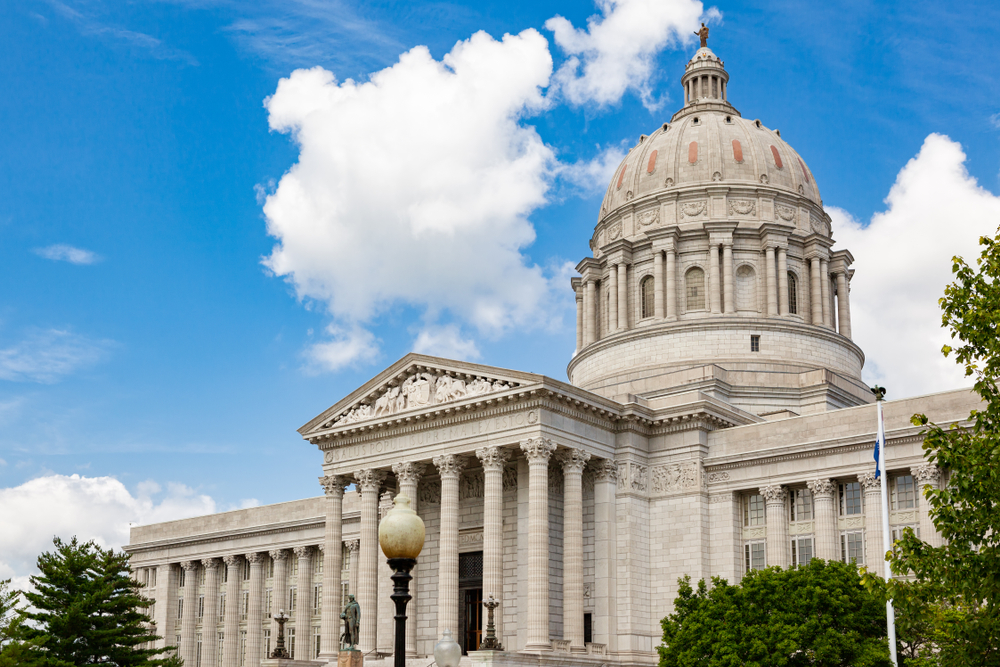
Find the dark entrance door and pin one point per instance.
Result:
(470, 598)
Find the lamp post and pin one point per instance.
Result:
(401, 536)
(279, 646)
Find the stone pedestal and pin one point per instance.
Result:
(350, 659)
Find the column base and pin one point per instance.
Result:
(537, 647)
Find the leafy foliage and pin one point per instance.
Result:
(950, 608)
(87, 610)
(818, 614)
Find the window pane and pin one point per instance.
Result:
(753, 510)
(903, 492)
(850, 498)
(694, 284)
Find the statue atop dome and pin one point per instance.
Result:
(703, 34)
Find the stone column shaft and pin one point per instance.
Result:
(772, 284)
(843, 304)
(354, 575)
(613, 298)
(189, 617)
(279, 589)
(671, 284)
(210, 621)
(255, 614)
(450, 468)
(408, 476)
(729, 304)
(816, 291)
(333, 487)
(590, 313)
(234, 598)
(605, 555)
(782, 281)
(386, 624)
(579, 321)
(538, 451)
(874, 547)
(713, 278)
(303, 602)
(825, 517)
(926, 475)
(573, 463)
(369, 483)
(622, 297)
(824, 269)
(494, 459)
(658, 285)
(776, 515)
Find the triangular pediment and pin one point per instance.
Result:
(414, 383)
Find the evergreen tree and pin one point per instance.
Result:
(817, 614)
(88, 610)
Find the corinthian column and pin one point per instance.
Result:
(825, 516)
(727, 278)
(231, 628)
(579, 318)
(776, 515)
(189, 617)
(210, 621)
(658, 285)
(333, 487)
(926, 475)
(713, 277)
(354, 549)
(494, 459)
(782, 281)
(255, 615)
(613, 299)
(538, 451)
(772, 283)
(303, 600)
(843, 303)
(573, 462)
(623, 296)
(386, 636)
(590, 313)
(874, 547)
(369, 482)
(824, 269)
(816, 291)
(671, 284)
(605, 554)
(450, 468)
(279, 586)
(408, 475)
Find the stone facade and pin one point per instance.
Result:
(715, 422)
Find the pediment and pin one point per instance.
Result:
(414, 383)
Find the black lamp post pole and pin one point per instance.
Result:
(401, 578)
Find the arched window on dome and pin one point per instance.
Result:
(793, 294)
(694, 288)
(746, 288)
(646, 291)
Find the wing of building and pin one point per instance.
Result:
(715, 421)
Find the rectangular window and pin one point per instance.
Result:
(225, 574)
(318, 563)
(201, 576)
(292, 597)
(588, 628)
(201, 606)
(317, 598)
(222, 607)
(268, 597)
(243, 647)
(897, 532)
(801, 503)
(345, 590)
(754, 343)
(753, 510)
(246, 570)
(903, 492)
(180, 608)
(852, 547)
(197, 660)
(291, 642)
(267, 643)
(317, 639)
(152, 609)
(152, 578)
(802, 550)
(754, 556)
(222, 643)
(850, 499)
(245, 610)
(345, 559)
(177, 643)
(294, 568)
(181, 576)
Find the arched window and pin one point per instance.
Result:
(646, 291)
(694, 285)
(793, 294)
(746, 288)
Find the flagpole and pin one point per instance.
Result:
(890, 612)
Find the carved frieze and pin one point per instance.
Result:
(742, 207)
(675, 477)
(615, 232)
(471, 485)
(693, 209)
(429, 492)
(510, 478)
(649, 218)
(718, 477)
(786, 213)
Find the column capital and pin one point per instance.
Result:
(189, 565)
(574, 460)
(493, 458)
(334, 484)
(774, 494)
(370, 479)
(926, 473)
(302, 552)
(537, 449)
(605, 470)
(449, 466)
(409, 471)
(210, 563)
(278, 554)
(255, 558)
(821, 487)
(353, 546)
(232, 560)
(870, 482)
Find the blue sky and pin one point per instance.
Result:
(143, 336)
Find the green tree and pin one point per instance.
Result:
(953, 598)
(87, 610)
(817, 614)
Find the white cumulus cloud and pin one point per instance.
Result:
(61, 252)
(414, 189)
(617, 51)
(91, 508)
(47, 355)
(936, 211)
(445, 341)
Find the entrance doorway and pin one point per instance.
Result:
(470, 598)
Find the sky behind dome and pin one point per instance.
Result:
(221, 217)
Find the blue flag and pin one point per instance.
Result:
(879, 443)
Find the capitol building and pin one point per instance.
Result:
(714, 421)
